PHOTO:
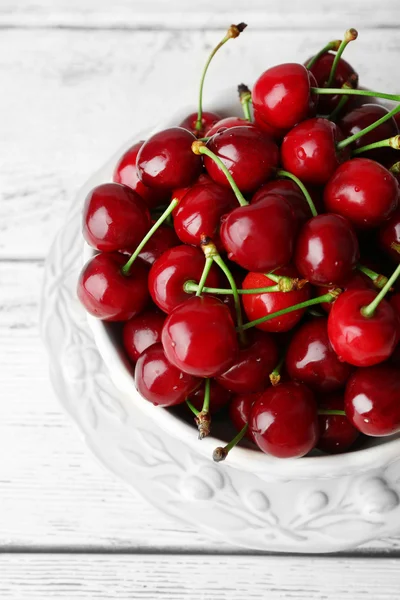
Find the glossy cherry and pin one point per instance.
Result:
(327, 250)
(362, 116)
(219, 397)
(125, 172)
(199, 337)
(114, 217)
(275, 132)
(265, 303)
(260, 237)
(311, 359)
(162, 240)
(282, 97)
(389, 234)
(108, 294)
(321, 71)
(172, 270)
(256, 359)
(142, 331)
(358, 340)
(337, 433)
(166, 160)
(249, 155)
(228, 123)
(363, 191)
(372, 400)
(240, 409)
(291, 192)
(357, 281)
(200, 211)
(159, 382)
(284, 420)
(309, 150)
(207, 121)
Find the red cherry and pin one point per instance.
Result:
(309, 151)
(281, 95)
(372, 400)
(141, 332)
(395, 304)
(125, 172)
(219, 397)
(389, 234)
(265, 303)
(291, 192)
(239, 411)
(199, 213)
(166, 159)
(363, 191)
(284, 420)
(359, 340)
(357, 281)
(108, 294)
(180, 193)
(159, 382)
(327, 250)
(249, 155)
(321, 71)
(359, 118)
(199, 337)
(311, 359)
(228, 123)
(162, 240)
(259, 237)
(250, 370)
(337, 434)
(114, 217)
(207, 121)
(276, 133)
(172, 270)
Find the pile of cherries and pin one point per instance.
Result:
(252, 260)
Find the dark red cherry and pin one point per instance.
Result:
(275, 132)
(125, 172)
(199, 212)
(321, 71)
(199, 337)
(265, 303)
(250, 370)
(309, 151)
(372, 400)
(284, 420)
(240, 409)
(281, 95)
(260, 237)
(114, 217)
(162, 240)
(180, 193)
(228, 123)
(357, 281)
(172, 270)
(166, 160)
(359, 118)
(395, 304)
(291, 192)
(108, 294)
(141, 332)
(159, 382)
(208, 119)
(337, 433)
(249, 155)
(327, 250)
(219, 397)
(389, 234)
(363, 191)
(311, 359)
(358, 340)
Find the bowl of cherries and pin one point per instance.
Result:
(241, 273)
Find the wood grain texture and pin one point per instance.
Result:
(74, 97)
(49, 577)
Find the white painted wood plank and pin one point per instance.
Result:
(73, 97)
(181, 14)
(51, 577)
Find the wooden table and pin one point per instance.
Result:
(78, 78)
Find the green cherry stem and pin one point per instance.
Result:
(275, 375)
(127, 267)
(245, 100)
(283, 284)
(349, 36)
(221, 453)
(207, 266)
(392, 142)
(334, 45)
(368, 311)
(395, 169)
(329, 297)
(350, 84)
(378, 280)
(328, 411)
(283, 173)
(192, 408)
(203, 419)
(233, 32)
(199, 148)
